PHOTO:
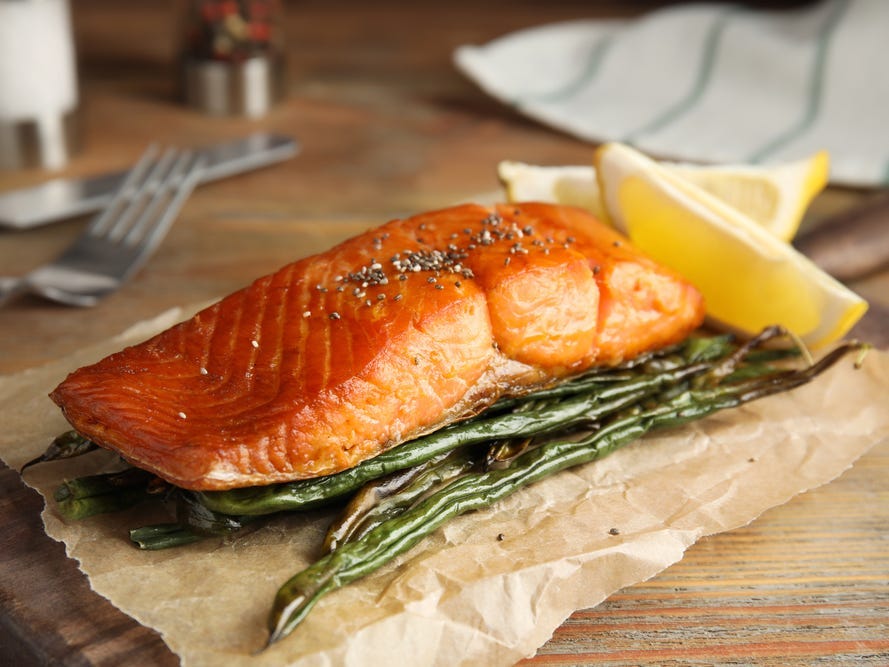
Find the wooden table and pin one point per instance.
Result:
(389, 127)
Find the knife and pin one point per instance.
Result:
(66, 197)
(852, 244)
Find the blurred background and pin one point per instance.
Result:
(388, 63)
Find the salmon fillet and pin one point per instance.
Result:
(389, 335)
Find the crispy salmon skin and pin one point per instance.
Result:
(391, 334)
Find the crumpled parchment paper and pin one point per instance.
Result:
(488, 588)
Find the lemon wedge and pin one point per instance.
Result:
(775, 196)
(571, 185)
(749, 278)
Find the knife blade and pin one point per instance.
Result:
(852, 244)
(62, 198)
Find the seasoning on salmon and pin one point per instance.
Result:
(389, 335)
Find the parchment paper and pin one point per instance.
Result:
(463, 596)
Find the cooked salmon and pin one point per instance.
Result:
(391, 334)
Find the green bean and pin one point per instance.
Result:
(367, 509)
(99, 494)
(68, 445)
(74, 509)
(729, 363)
(502, 452)
(95, 485)
(163, 536)
(370, 496)
(474, 491)
(191, 514)
(193, 522)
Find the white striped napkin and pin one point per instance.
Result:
(710, 82)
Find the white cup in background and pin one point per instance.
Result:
(38, 84)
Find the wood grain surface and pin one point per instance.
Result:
(389, 127)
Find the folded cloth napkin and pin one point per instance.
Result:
(710, 82)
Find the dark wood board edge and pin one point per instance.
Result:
(50, 615)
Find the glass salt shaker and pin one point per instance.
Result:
(233, 59)
(38, 84)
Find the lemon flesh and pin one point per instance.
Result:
(749, 278)
(570, 185)
(774, 196)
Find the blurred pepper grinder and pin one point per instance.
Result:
(233, 56)
(38, 84)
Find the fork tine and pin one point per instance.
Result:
(138, 197)
(176, 188)
(100, 223)
(157, 195)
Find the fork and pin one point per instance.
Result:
(121, 238)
